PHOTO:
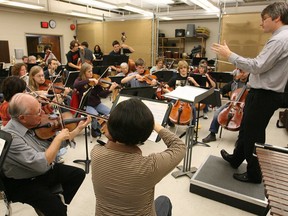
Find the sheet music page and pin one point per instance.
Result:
(185, 93)
(2, 143)
(158, 110)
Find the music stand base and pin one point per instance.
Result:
(86, 162)
(180, 173)
(197, 142)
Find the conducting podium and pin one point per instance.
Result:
(188, 94)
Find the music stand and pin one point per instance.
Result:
(144, 92)
(114, 59)
(190, 94)
(72, 76)
(116, 79)
(222, 77)
(199, 78)
(159, 109)
(30, 65)
(164, 75)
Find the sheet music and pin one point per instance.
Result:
(2, 143)
(158, 110)
(185, 93)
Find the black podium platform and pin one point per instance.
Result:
(214, 180)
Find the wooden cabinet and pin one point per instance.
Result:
(171, 47)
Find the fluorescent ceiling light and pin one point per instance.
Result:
(158, 2)
(85, 15)
(24, 4)
(205, 4)
(99, 4)
(165, 18)
(136, 9)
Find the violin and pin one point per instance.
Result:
(104, 82)
(181, 113)
(47, 85)
(49, 125)
(230, 118)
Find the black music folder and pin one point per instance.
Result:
(164, 75)
(114, 59)
(72, 76)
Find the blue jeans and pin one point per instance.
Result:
(163, 206)
(99, 109)
(214, 126)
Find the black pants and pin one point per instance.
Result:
(259, 108)
(37, 191)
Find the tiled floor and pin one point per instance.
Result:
(184, 202)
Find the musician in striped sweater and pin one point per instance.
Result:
(124, 179)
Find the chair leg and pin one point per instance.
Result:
(220, 134)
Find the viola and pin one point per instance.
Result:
(230, 118)
(49, 125)
(160, 91)
(181, 113)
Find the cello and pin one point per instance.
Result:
(230, 118)
(181, 113)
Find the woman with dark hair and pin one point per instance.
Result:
(124, 179)
(20, 70)
(97, 52)
(10, 86)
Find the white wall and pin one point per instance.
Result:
(15, 25)
(168, 28)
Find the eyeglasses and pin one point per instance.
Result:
(264, 18)
(37, 114)
(39, 75)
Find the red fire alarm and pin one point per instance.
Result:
(72, 27)
(44, 24)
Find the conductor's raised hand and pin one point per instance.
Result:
(222, 50)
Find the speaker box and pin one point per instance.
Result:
(190, 32)
(179, 32)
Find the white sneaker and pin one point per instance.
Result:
(205, 116)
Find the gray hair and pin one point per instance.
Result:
(275, 10)
(19, 104)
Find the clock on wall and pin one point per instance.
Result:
(52, 24)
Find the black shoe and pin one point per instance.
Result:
(227, 157)
(211, 137)
(245, 178)
(95, 133)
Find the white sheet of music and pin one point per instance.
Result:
(158, 110)
(2, 143)
(186, 93)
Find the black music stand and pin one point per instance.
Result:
(116, 79)
(164, 75)
(222, 77)
(190, 94)
(201, 79)
(114, 59)
(144, 92)
(72, 76)
(160, 110)
(82, 104)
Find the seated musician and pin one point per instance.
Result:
(32, 59)
(25, 59)
(208, 84)
(124, 69)
(73, 56)
(29, 169)
(10, 86)
(20, 70)
(240, 79)
(159, 66)
(41, 86)
(137, 78)
(181, 79)
(52, 66)
(131, 123)
(93, 105)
